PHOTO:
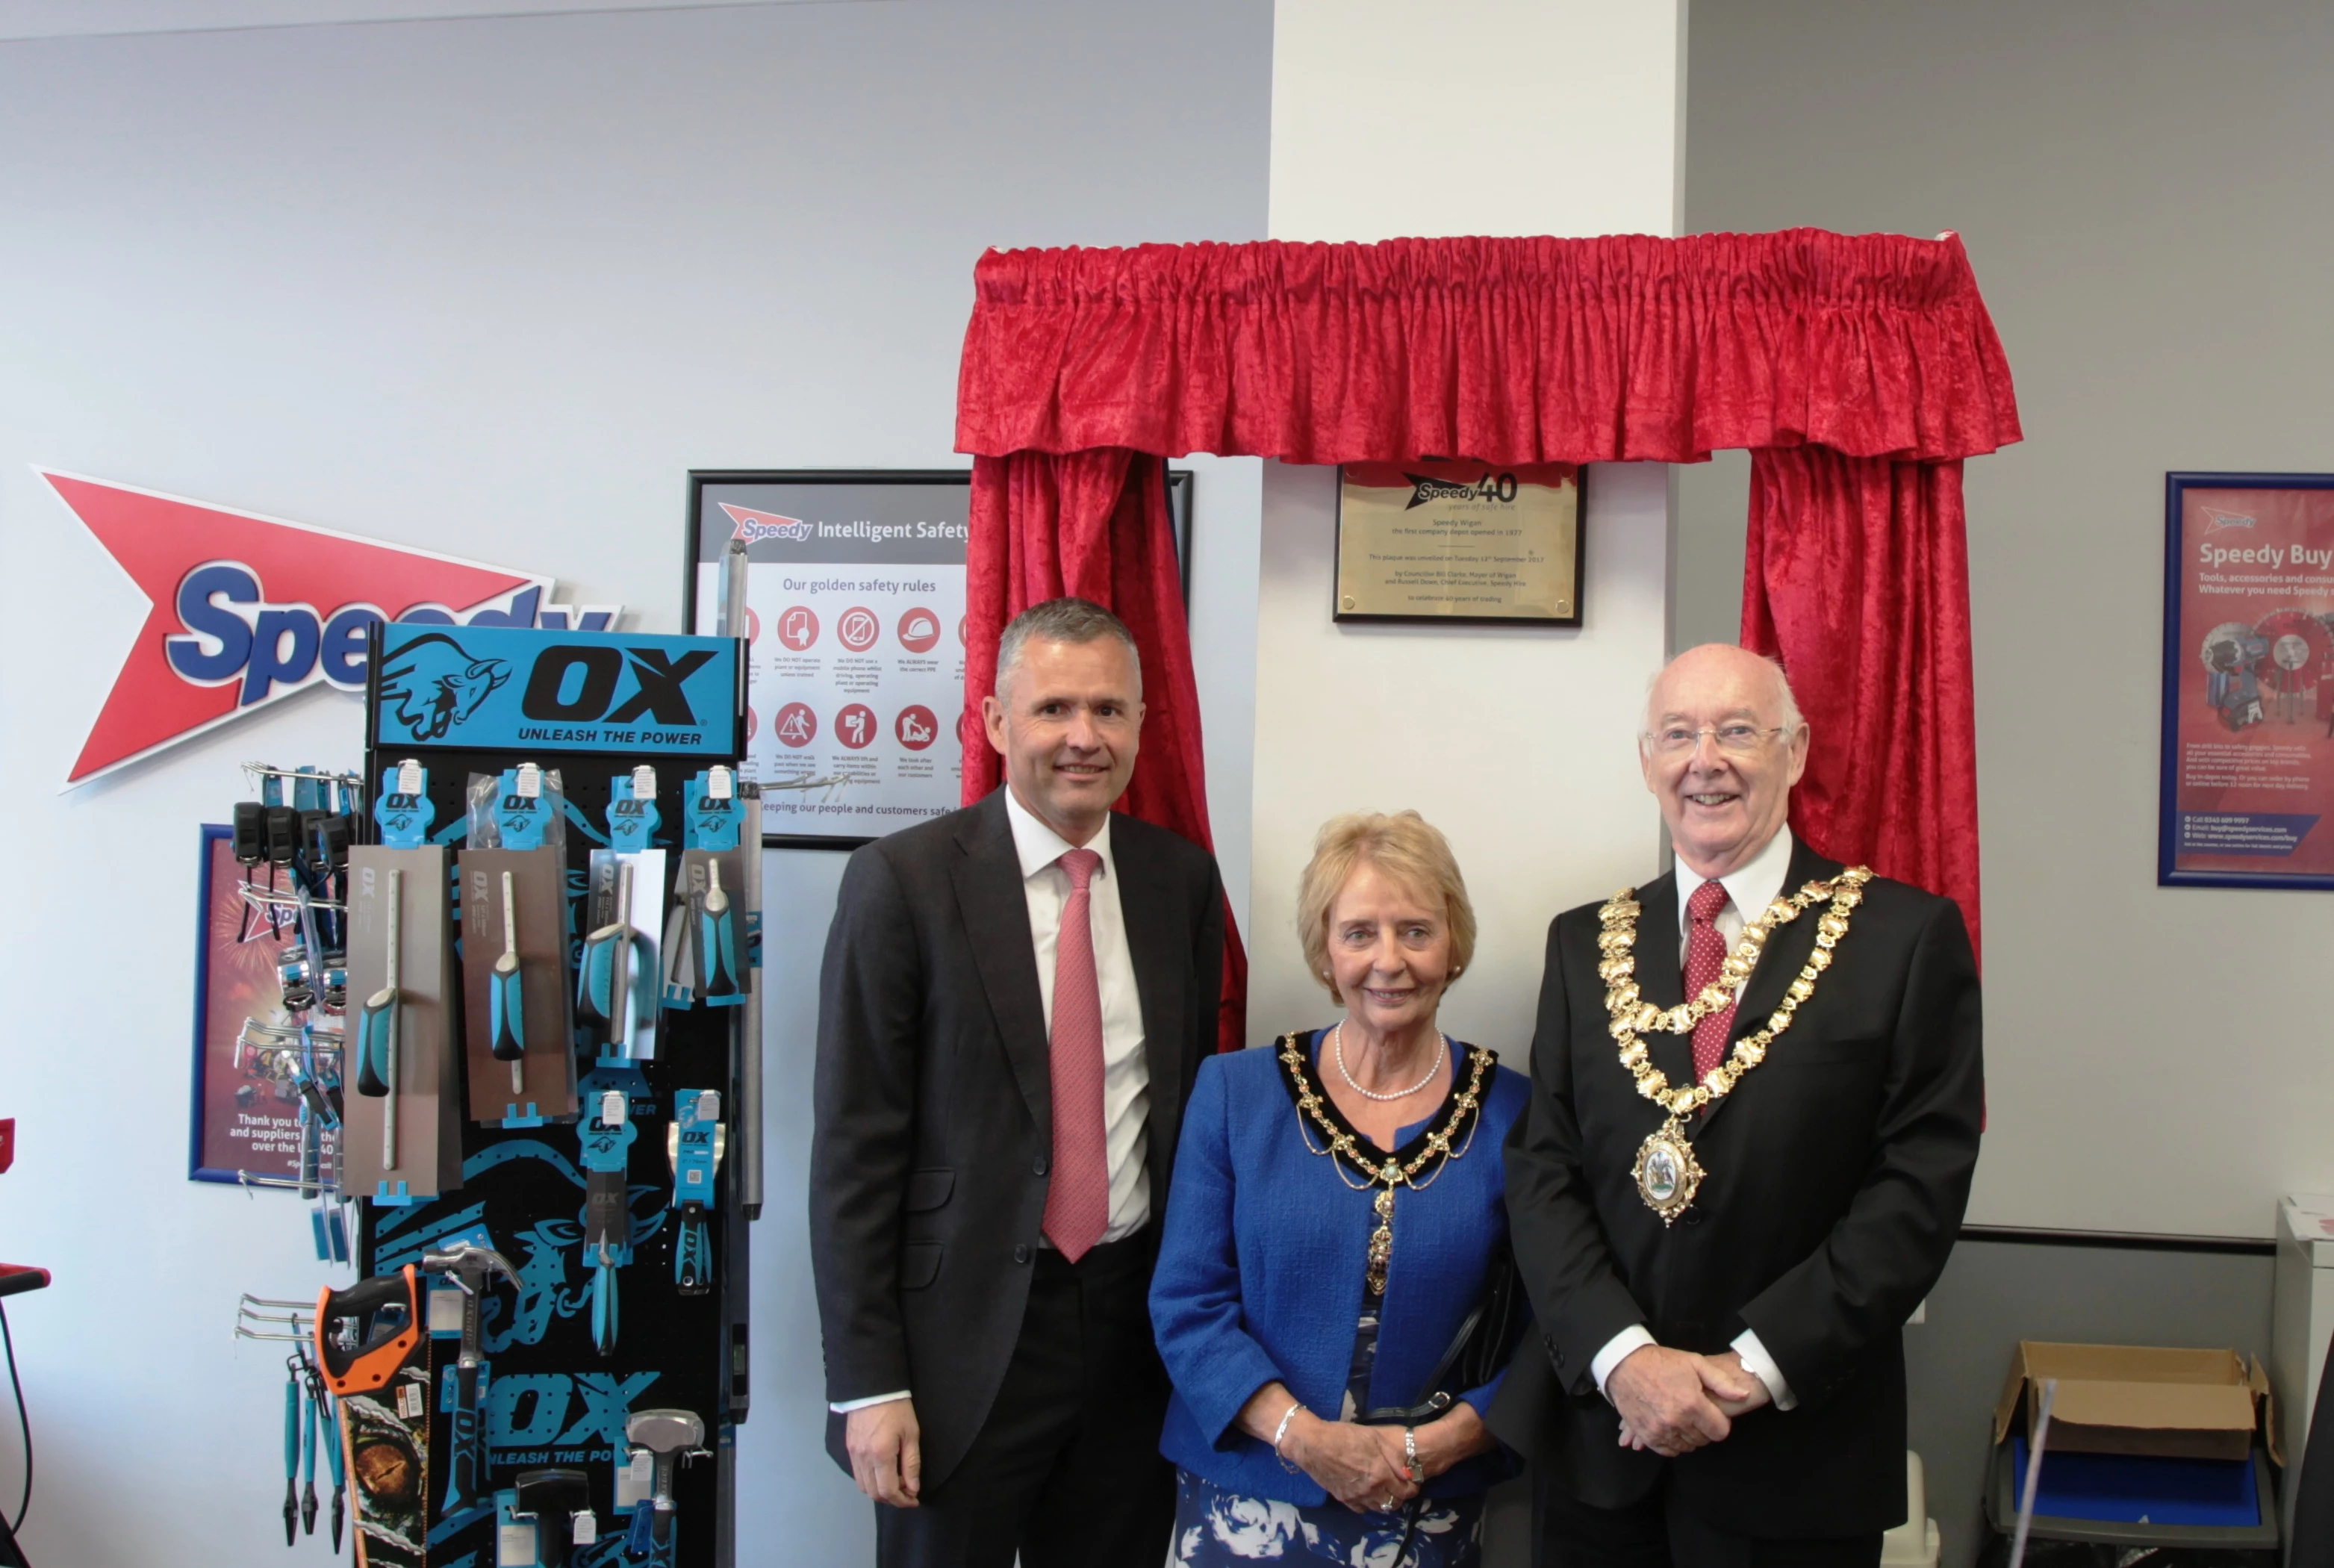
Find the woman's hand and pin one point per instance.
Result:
(1350, 1462)
(1345, 1459)
(1458, 1434)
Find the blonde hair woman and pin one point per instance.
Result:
(1337, 1218)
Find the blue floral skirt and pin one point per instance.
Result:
(1219, 1529)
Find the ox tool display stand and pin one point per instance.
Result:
(570, 803)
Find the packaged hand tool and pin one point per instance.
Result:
(327, 1415)
(472, 1269)
(617, 980)
(539, 1525)
(671, 1438)
(607, 1134)
(403, 1140)
(701, 961)
(694, 1143)
(370, 1353)
(516, 995)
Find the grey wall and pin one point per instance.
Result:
(489, 287)
(2141, 186)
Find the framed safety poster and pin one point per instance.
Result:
(244, 1120)
(854, 598)
(2248, 767)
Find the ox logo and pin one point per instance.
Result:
(578, 682)
(434, 685)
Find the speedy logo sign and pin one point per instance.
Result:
(753, 526)
(244, 611)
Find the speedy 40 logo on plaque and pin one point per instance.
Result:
(244, 610)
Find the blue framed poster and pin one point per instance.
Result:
(2248, 725)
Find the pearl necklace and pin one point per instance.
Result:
(1337, 1046)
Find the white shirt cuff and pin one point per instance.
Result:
(1618, 1349)
(847, 1406)
(1761, 1366)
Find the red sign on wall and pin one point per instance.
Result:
(243, 610)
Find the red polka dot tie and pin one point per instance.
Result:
(1077, 1200)
(1706, 954)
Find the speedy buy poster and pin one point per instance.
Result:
(2249, 727)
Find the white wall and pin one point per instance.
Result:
(2138, 186)
(1413, 117)
(489, 287)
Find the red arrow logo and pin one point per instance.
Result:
(310, 591)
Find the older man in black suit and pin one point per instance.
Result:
(1757, 1093)
(1015, 1001)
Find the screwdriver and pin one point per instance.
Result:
(308, 1467)
(505, 1017)
(291, 1454)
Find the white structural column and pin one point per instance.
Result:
(1394, 118)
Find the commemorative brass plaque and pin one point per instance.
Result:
(1459, 541)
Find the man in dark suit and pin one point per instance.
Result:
(1721, 1274)
(1013, 1007)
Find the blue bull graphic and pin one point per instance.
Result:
(432, 684)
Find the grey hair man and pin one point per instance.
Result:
(1757, 1091)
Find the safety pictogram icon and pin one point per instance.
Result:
(796, 725)
(916, 726)
(854, 727)
(798, 627)
(859, 628)
(919, 628)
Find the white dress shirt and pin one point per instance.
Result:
(1125, 1070)
(1753, 885)
(1126, 1073)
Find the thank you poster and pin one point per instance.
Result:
(2249, 725)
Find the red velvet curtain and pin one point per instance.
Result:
(1859, 370)
(1857, 579)
(1095, 524)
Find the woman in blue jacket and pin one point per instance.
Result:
(1337, 1214)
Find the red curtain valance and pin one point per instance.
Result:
(1513, 351)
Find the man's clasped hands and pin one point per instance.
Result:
(1675, 1401)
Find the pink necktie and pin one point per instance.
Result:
(1706, 954)
(1077, 1202)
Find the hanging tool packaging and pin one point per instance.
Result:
(517, 960)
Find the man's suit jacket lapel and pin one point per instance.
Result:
(1147, 905)
(1661, 979)
(995, 907)
(1786, 955)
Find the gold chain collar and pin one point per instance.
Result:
(1312, 1101)
(1666, 1171)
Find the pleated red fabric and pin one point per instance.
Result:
(1858, 369)
(1857, 579)
(1096, 525)
(1511, 351)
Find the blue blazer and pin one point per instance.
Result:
(1260, 1267)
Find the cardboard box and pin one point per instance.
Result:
(2141, 1400)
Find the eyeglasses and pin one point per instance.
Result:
(1735, 739)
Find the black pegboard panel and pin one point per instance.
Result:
(550, 1397)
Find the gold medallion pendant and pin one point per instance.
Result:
(1667, 1173)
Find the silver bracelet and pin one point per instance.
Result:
(1281, 1431)
(1409, 1454)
